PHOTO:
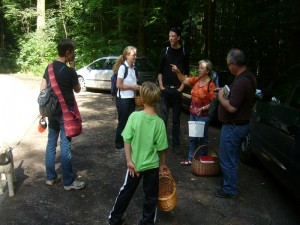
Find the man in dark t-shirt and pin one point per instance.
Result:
(234, 112)
(67, 81)
(170, 85)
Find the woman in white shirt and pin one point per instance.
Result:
(127, 86)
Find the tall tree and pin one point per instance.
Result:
(141, 32)
(1, 31)
(210, 28)
(41, 18)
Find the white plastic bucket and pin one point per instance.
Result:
(196, 128)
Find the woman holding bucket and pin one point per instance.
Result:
(202, 94)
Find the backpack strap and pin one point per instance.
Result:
(208, 85)
(125, 75)
(167, 48)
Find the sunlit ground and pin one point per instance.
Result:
(18, 109)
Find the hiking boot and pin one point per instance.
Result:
(56, 180)
(75, 185)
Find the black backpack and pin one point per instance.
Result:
(114, 77)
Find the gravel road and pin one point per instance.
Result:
(262, 200)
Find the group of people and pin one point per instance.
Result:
(142, 135)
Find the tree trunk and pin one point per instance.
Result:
(1, 32)
(141, 32)
(63, 19)
(210, 28)
(40, 8)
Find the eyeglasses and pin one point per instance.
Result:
(134, 54)
(228, 64)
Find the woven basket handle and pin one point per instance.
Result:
(171, 178)
(202, 146)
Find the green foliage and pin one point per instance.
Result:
(37, 50)
(267, 30)
(194, 70)
(19, 18)
(90, 48)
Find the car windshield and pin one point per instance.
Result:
(109, 64)
(286, 88)
(98, 65)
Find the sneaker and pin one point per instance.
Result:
(186, 162)
(119, 149)
(222, 194)
(121, 222)
(75, 185)
(56, 180)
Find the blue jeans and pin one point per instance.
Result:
(125, 106)
(195, 142)
(56, 128)
(231, 140)
(170, 97)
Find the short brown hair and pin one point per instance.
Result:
(65, 45)
(150, 93)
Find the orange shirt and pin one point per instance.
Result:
(200, 95)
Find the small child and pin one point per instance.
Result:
(145, 142)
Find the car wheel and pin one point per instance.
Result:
(82, 83)
(245, 153)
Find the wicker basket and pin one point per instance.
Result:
(167, 193)
(205, 169)
(138, 101)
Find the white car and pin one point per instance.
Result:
(97, 75)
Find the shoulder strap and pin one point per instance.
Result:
(126, 71)
(125, 75)
(167, 48)
(56, 89)
(208, 85)
(136, 72)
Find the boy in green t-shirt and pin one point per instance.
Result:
(145, 141)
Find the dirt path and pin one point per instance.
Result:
(261, 200)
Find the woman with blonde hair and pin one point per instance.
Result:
(202, 94)
(127, 86)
